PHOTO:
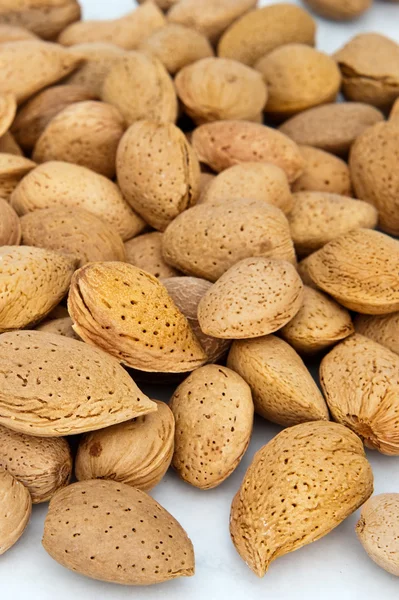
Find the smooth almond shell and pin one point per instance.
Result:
(12, 169)
(317, 468)
(46, 18)
(8, 108)
(383, 329)
(14, 33)
(145, 252)
(60, 326)
(10, 226)
(341, 10)
(282, 388)
(98, 529)
(323, 172)
(16, 508)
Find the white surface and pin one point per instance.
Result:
(335, 567)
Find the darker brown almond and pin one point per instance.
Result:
(145, 252)
(10, 226)
(9, 145)
(46, 18)
(16, 508)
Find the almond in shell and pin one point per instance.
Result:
(14, 33)
(339, 10)
(16, 508)
(383, 329)
(46, 18)
(163, 4)
(8, 108)
(145, 252)
(59, 326)
(323, 172)
(10, 226)
(12, 169)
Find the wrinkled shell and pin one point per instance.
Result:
(13, 33)
(60, 326)
(253, 298)
(10, 226)
(12, 169)
(339, 10)
(106, 527)
(323, 172)
(208, 239)
(145, 252)
(16, 508)
(319, 469)
(136, 452)
(158, 172)
(9, 145)
(43, 465)
(8, 108)
(53, 385)
(46, 18)
(383, 329)
(214, 412)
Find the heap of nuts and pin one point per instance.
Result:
(151, 224)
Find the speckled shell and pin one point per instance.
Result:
(8, 108)
(60, 326)
(16, 508)
(46, 18)
(339, 10)
(12, 169)
(323, 172)
(145, 252)
(383, 329)
(14, 33)
(10, 226)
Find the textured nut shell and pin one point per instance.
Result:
(303, 270)
(10, 226)
(129, 313)
(9, 145)
(13, 33)
(323, 172)
(136, 452)
(341, 10)
(208, 239)
(60, 326)
(319, 217)
(145, 252)
(53, 385)
(16, 508)
(72, 231)
(12, 169)
(260, 31)
(43, 465)
(383, 329)
(214, 413)
(46, 18)
(360, 380)
(226, 143)
(253, 298)
(141, 88)
(158, 172)
(358, 270)
(319, 323)
(8, 108)
(56, 184)
(262, 527)
(378, 529)
(112, 521)
(282, 388)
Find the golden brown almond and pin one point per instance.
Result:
(8, 145)
(12, 169)
(357, 270)
(214, 414)
(226, 143)
(137, 452)
(319, 217)
(16, 508)
(360, 380)
(394, 114)
(339, 10)
(145, 252)
(288, 468)
(158, 172)
(323, 172)
(42, 465)
(383, 329)
(378, 529)
(108, 524)
(10, 226)
(283, 390)
(8, 108)
(260, 31)
(320, 323)
(128, 313)
(14, 33)
(208, 239)
(46, 18)
(55, 184)
(60, 326)
(84, 133)
(255, 297)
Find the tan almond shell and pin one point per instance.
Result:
(357, 269)
(177, 46)
(72, 231)
(320, 323)
(85, 133)
(60, 326)
(324, 172)
(383, 329)
(215, 89)
(253, 180)
(43, 465)
(46, 18)
(332, 127)
(283, 390)
(223, 144)
(360, 380)
(28, 66)
(205, 180)
(62, 386)
(163, 4)
(158, 171)
(16, 508)
(377, 530)
(373, 156)
(214, 413)
(260, 31)
(10, 225)
(14, 33)
(254, 297)
(34, 115)
(394, 114)
(319, 217)
(8, 108)
(369, 63)
(303, 270)
(9, 145)
(137, 452)
(145, 252)
(128, 313)
(208, 239)
(126, 32)
(339, 10)
(298, 77)
(319, 469)
(60, 184)
(141, 88)
(12, 169)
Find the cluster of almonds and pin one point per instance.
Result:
(98, 185)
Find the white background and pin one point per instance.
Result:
(335, 567)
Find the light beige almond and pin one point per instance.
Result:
(205, 179)
(59, 325)
(339, 10)
(14, 33)
(320, 471)
(16, 508)
(12, 169)
(8, 108)
(46, 18)
(383, 329)
(145, 252)
(10, 226)
(8, 145)
(323, 172)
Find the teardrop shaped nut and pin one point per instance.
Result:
(16, 508)
(145, 252)
(324, 172)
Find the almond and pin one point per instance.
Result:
(137, 452)
(9, 145)
(214, 413)
(253, 298)
(10, 226)
(303, 270)
(99, 58)
(163, 4)
(60, 326)
(16, 508)
(145, 252)
(205, 180)
(46, 18)
(320, 471)
(383, 329)
(12, 169)
(8, 108)
(14, 33)
(158, 172)
(339, 10)
(323, 172)
(394, 110)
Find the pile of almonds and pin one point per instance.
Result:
(151, 226)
